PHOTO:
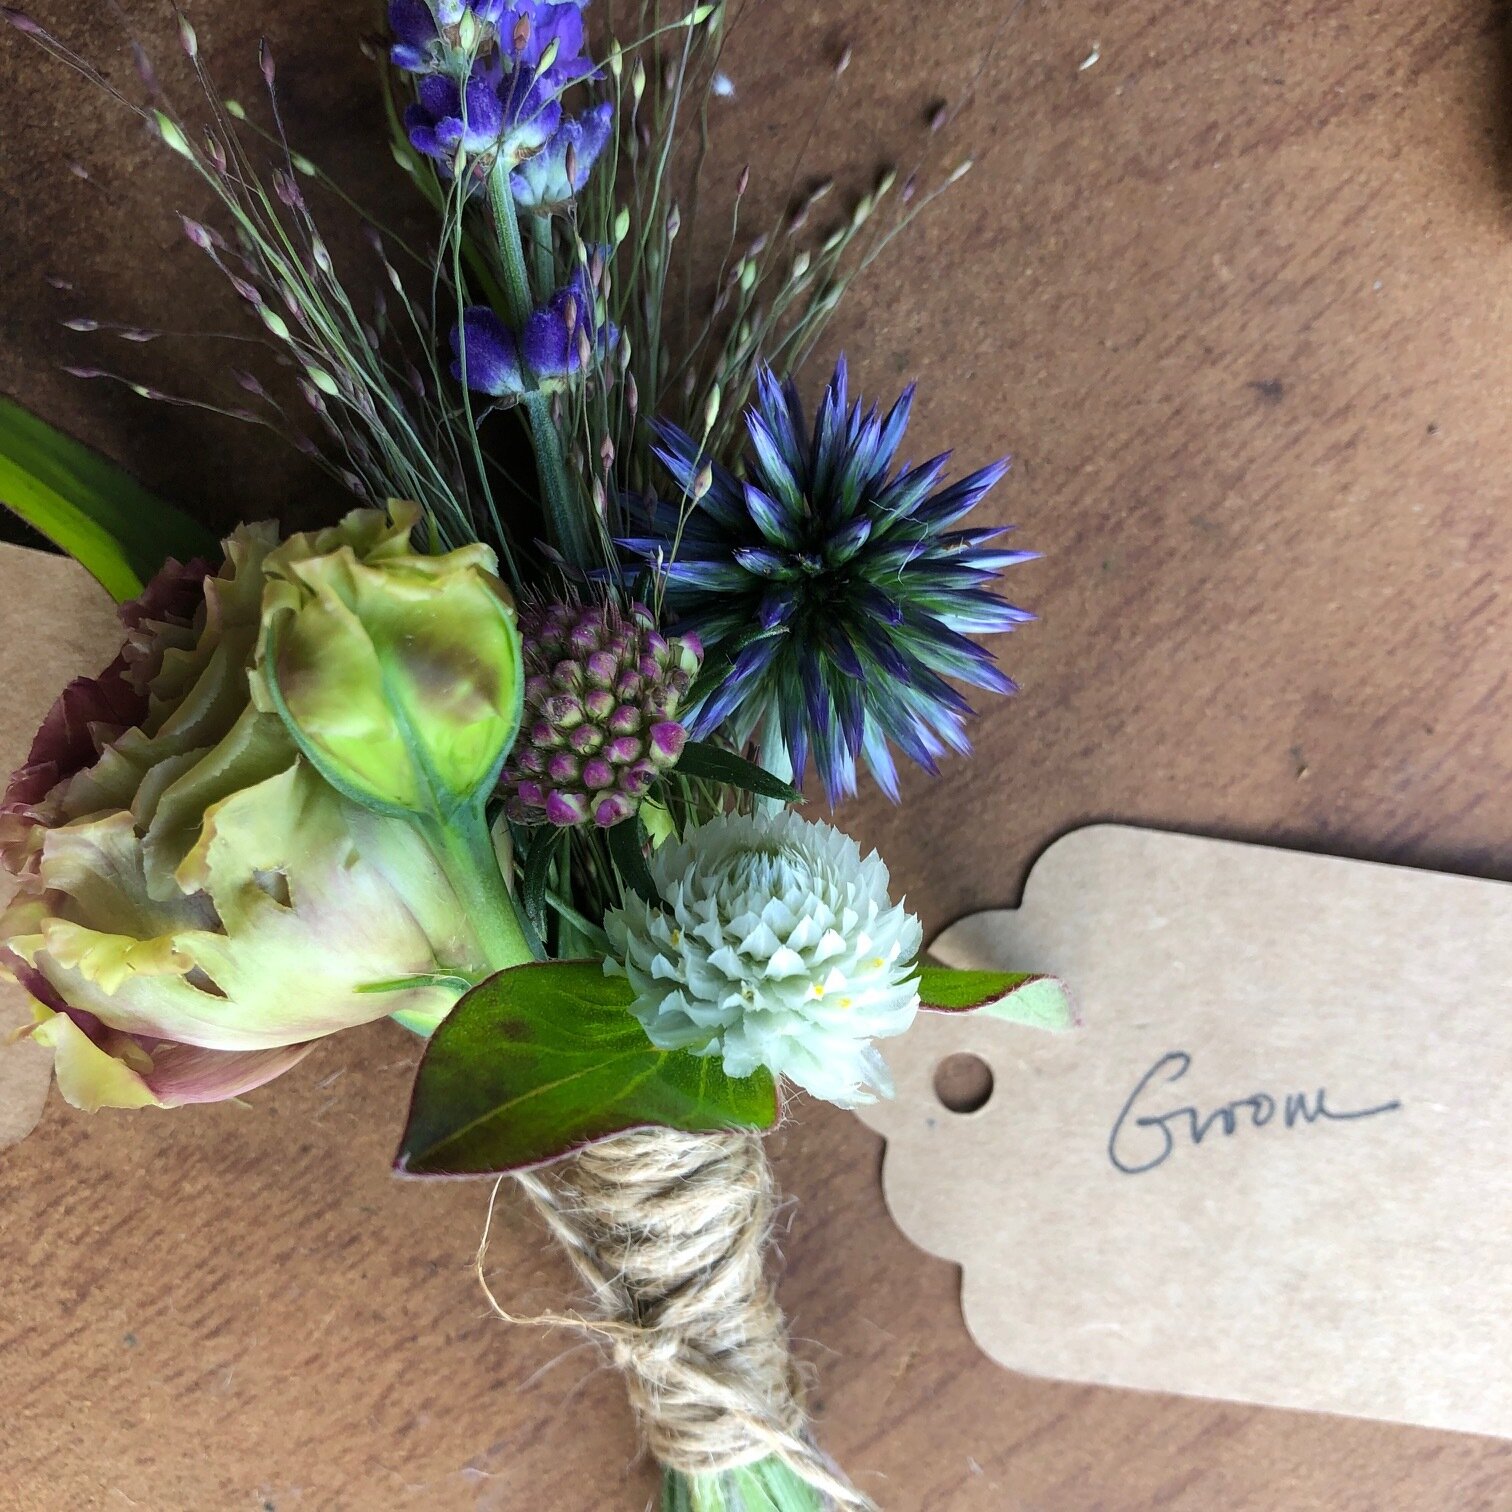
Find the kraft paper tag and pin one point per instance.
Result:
(1274, 1166)
(56, 623)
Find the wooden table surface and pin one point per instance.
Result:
(1238, 297)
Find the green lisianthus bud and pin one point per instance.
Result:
(398, 674)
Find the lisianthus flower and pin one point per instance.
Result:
(840, 589)
(197, 904)
(546, 355)
(774, 944)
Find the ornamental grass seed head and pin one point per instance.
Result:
(196, 905)
(840, 589)
(774, 944)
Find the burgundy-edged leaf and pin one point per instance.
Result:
(1042, 1002)
(543, 1059)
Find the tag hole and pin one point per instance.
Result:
(963, 1082)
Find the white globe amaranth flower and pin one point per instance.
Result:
(775, 944)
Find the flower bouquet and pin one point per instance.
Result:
(511, 754)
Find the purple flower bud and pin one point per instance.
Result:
(634, 780)
(566, 809)
(532, 794)
(625, 720)
(667, 741)
(601, 668)
(597, 773)
(563, 766)
(565, 711)
(600, 704)
(196, 233)
(612, 809)
(586, 739)
(624, 749)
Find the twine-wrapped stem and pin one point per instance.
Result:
(669, 1232)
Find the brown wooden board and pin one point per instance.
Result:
(1237, 297)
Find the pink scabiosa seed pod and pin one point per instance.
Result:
(602, 691)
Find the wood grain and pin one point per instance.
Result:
(1237, 297)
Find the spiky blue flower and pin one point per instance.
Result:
(839, 590)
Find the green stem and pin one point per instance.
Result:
(542, 253)
(564, 518)
(467, 857)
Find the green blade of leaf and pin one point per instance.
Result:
(627, 844)
(699, 759)
(537, 876)
(102, 517)
(541, 1060)
(1042, 1002)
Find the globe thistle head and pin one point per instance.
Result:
(841, 588)
(602, 691)
(774, 944)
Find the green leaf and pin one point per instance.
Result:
(1042, 1002)
(627, 844)
(544, 846)
(699, 759)
(102, 517)
(660, 825)
(541, 1060)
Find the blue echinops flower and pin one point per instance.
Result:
(492, 359)
(840, 591)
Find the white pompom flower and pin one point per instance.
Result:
(775, 944)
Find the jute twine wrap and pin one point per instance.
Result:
(669, 1233)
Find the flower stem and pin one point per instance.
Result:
(467, 857)
(766, 1486)
(564, 518)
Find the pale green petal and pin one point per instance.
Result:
(89, 1077)
(294, 899)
